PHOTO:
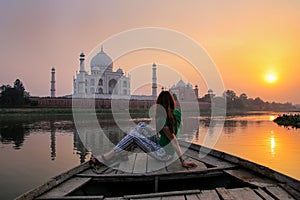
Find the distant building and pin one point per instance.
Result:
(184, 92)
(102, 80)
(208, 97)
(52, 83)
(154, 81)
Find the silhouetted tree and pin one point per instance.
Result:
(230, 95)
(14, 96)
(231, 98)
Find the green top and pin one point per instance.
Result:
(163, 139)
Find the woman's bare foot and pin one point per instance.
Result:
(94, 161)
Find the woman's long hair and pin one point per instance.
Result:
(166, 100)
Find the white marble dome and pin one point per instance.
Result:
(101, 61)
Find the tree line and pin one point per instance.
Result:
(244, 103)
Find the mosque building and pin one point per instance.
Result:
(184, 91)
(102, 81)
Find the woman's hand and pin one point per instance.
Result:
(188, 164)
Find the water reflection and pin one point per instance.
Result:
(53, 140)
(272, 144)
(243, 124)
(190, 128)
(230, 126)
(272, 117)
(79, 148)
(17, 132)
(12, 132)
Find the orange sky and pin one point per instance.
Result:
(246, 40)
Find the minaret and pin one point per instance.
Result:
(52, 89)
(196, 91)
(82, 62)
(81, 77)
(154, 84)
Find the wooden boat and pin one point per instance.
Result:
(217, 176)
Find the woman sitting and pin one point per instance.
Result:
(161, 145)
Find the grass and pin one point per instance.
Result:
(65, 113)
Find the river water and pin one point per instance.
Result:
(33, 151)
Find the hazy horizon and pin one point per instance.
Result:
(254, 44)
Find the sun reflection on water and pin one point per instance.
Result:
(272, 144)
(272, 117)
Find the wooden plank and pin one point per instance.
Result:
(208, 194)
(244, 193)
(140, 165)
(74, 198)
(88, 171)
(225, 194)
(278, 193)
(154, 165)
(210, 160)
(205, 155)
(263, 194)
(162, 176)
(191, 197)
(161, 194)
(177, 197)
(127, 166)
(111, 171)
(66, 187)
(151, 198)
(290, 190)
(35, 192)
(113, 198)
(251, 177)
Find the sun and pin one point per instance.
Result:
(271, 78)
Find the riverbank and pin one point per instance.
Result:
(105, 113)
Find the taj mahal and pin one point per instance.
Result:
(102, 81)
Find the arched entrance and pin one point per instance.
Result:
(112, 86)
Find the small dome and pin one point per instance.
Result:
(189, 85)
(180, 84)
(120, 71)
(102, 60)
